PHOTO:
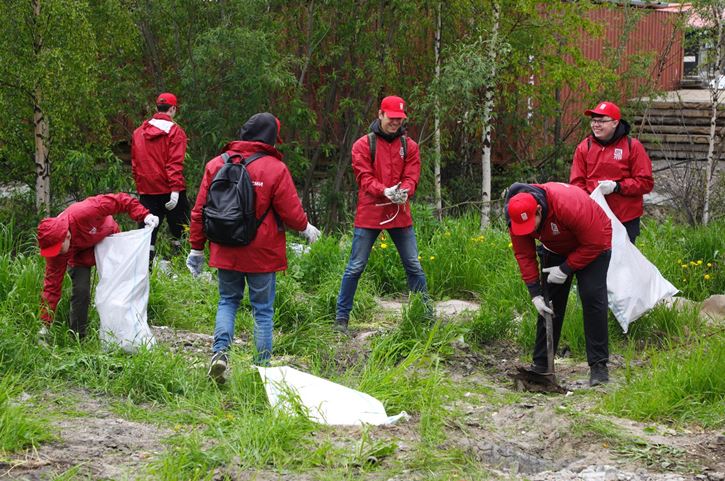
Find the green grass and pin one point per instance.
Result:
(19, 426)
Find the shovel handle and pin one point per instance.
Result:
(548, 321)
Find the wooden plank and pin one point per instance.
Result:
(676, 129)
(686, 147)
(676, 120)
(682, 105)
(674, 138)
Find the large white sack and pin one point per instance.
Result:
(324, 401)
(122, 293)
(634, 284)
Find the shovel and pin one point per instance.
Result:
(529, 380)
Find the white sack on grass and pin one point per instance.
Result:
(634, 284)
(122, 293)
(324, 401)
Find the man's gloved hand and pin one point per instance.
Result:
(151, 221)
(400, 196)
(607, 186)
(195, 262)
(392, 192)
(541, 306)
(312, 233)
(556, 275)
(173, 200)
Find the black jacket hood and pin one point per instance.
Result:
(377, 130)
(517, 188)
(263, 127)
(622, 129)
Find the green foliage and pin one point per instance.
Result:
(19, 428)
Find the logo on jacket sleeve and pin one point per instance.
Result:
(258, 183)
(554, 229)
(93, 231)
(617, 154)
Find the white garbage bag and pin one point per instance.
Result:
(122, 293)
(324, 401)
(634, 284)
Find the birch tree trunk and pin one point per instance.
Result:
(437, 119)
(40, 129)
(716, 17)
(488, 108)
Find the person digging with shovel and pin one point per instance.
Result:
(575, 238)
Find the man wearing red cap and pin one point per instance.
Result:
(619, 163)
(158, 149)
(575, 238)
(256, 264)
(386, 180)
(67, 242)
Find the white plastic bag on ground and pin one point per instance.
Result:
(634, 284)
(324, 401)
(122, 293)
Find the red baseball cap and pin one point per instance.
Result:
(522, 211)
(52, 232)
(394, 106)
(605, 108)
(166, 98)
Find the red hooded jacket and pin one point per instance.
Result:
(373, 178)
(272, 184)
(89, 222)
(573, 226)
(158, 148)
(624, 161)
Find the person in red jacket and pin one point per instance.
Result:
(257, 263)
(67, 242)
(575, 238)
(611, 158)
(385, 183)
(158, 149)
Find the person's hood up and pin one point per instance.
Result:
(246, 148)
(622, 129)
(263, 127)
(159, 125)
(377, 130)
(538, 193)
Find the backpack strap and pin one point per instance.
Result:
(372, 141)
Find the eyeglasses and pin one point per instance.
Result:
(600, 121)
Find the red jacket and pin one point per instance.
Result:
(89, 222)
(631, 167)
(272, 184)
(573, 226)
(158, 148)
(372, 178)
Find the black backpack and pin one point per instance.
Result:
(372, 142)
(229, 214)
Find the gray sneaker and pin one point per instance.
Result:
(218, 366)
(341, 326)
(599, 374)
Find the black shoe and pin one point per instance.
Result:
(599, 374)
(538, 369)
(341, 326)
(218, 365)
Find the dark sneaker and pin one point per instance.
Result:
(538, 369)
(341, 326)
(599, 374)
(218, 365)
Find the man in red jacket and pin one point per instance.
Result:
(385, 183)
(67, 242)
(619, 163)
(158, 149)
(575, 239)
(257, 263)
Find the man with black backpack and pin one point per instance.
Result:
(611, 158)
(386, 164)
(246, 248)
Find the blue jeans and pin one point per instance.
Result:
(261, 296)
(362, 243)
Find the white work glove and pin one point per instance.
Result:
(541, 306)
(400, 196)
(606, 187)
(151, 221)
(312, 233)
(195, 262)
(392, 192)
(556, 275)
(173, 200)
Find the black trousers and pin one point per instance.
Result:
(632, 227)
(80, 299)
(176, 218)
(592, 287)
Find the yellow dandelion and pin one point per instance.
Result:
(432, 258)
(684, 266)
(707, 277)
(709, 264)
(699, 262)
(692, 263)
(679, 261)
(383, 245)
(510, 245)
(418, 257)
